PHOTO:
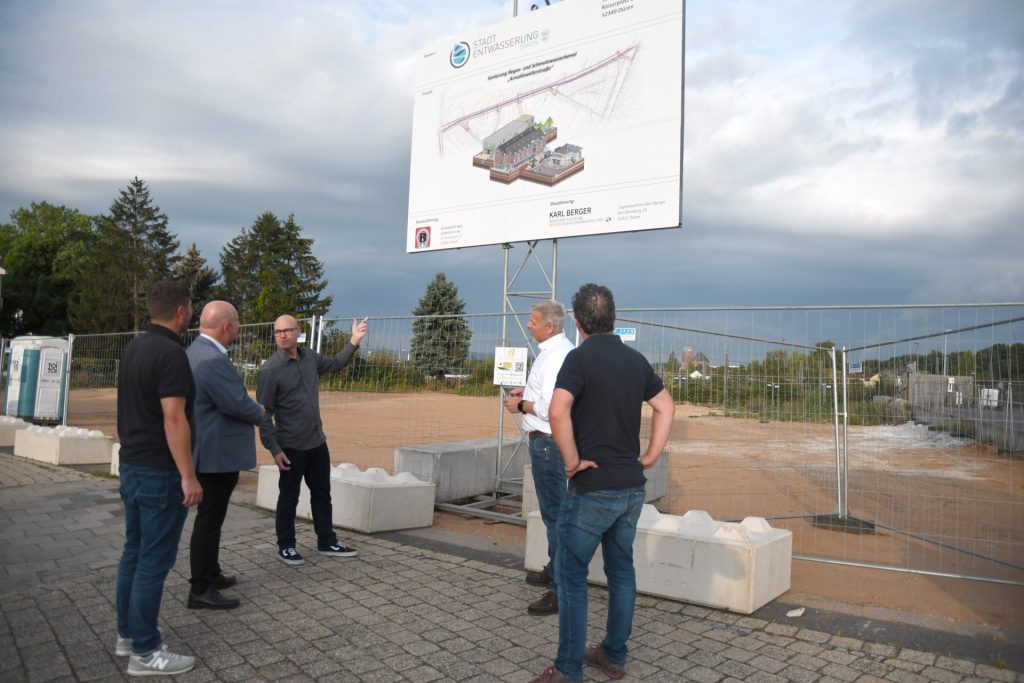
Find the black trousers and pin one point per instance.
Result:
(313, 465)
(204, 548)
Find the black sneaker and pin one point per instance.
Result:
(290, 556)
(338, 549)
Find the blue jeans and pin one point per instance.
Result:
(153, 518)
(313, 465)
(607, 517)
(549, 481)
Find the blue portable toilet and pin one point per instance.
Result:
(36, 378)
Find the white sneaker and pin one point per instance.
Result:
(159, 662)
(123, 648)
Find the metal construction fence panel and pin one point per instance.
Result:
(906, 419)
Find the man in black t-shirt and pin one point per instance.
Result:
(158, 484)
(595, 420)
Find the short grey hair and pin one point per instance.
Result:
(551, 311)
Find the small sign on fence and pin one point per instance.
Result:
(510, 365)
(626, 333)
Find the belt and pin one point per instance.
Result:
(536, 434)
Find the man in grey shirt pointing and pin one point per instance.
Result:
(288, 387)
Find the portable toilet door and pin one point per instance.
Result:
(49, 401)
(13, 388)
(29, 382)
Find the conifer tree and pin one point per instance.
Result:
(440, 343)
(134, 248)
(269, 269)
(200, 279)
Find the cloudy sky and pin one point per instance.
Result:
(841, 152)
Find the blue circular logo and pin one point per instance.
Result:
(459, 55)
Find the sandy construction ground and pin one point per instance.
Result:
(940, 504)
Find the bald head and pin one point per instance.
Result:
(286, 334)
(219, 320)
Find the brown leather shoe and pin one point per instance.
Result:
(548, 604)
(595, 656)
(551, 675)
(541, 578)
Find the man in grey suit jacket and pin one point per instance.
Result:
(225, 443)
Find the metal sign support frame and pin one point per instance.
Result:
(509, 490)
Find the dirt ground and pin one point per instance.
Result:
(939, 504)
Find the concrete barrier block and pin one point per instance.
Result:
(735, 566)
(367, 501)
(459, 469)
(115, 459)
(8, 427)
(63, 445)
(655, 489)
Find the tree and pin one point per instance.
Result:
(41, 247)
(441, 336)
(200, 279)
(134, 248)
(672, 364)
(269, 269)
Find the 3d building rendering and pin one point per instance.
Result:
(519, 150)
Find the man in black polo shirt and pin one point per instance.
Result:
(595, 420)
(158, 484)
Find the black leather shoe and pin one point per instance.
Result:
(541, 578)
(211, 599)
(548, 604)
(224, 581)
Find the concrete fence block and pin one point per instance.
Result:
(655, 489)
(735, 566)
(367, 501)
(63, 445)
(9, 426)
(459, 469)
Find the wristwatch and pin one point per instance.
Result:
(520, 406)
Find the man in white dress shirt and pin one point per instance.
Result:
(547, 320)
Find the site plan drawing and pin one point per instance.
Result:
(558, 123)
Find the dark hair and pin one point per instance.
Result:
(594, 308)
(164, 297)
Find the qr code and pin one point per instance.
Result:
(520, 366)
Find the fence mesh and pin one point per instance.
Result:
(928, 421)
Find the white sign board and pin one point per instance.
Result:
(559, 123)
(510, 365)
(626, 333)
(856, 367)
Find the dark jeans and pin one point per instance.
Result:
(608, 517)
(204, 547)
(549, 481)
(153, 518)
(315, 466)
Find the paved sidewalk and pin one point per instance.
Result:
(395, 613)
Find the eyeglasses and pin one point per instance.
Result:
(285, 331)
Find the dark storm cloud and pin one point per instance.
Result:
(835, 152)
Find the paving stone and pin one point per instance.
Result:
(394, 614)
